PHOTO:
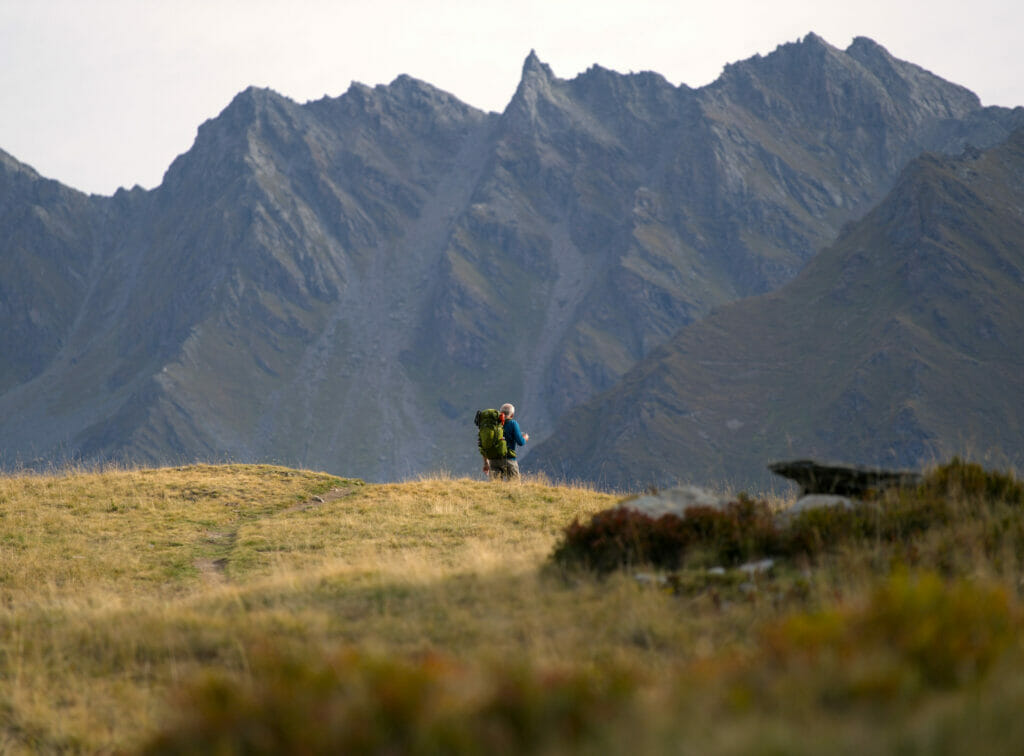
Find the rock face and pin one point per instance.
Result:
(49, 240)
(899, 345)
(341, 284)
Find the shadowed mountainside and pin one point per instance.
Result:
(900, 344)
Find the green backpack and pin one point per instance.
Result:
(492, 435)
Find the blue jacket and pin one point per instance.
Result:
(513, 437)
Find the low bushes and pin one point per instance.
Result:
(353, 702)
(915, 637)
(966, 480)
(951, 497)
(915, 633)
(620, 537)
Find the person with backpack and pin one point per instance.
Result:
(513, 437)
(498, 438)
(506, 467)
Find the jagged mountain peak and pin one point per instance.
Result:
(810, 46)
(804, 70)
(410, 86)
(242, 113)
(260, 95)
(406, 102)
(863, 84)
(908, 81)
(224, 140)
(535, 85)
(597, 77)
(810, 51)
(533, 66)
(403, 87)
(814, 40)
(356, 90)
(408, 91)
(544, 104)
(862, 45)
(253, 103)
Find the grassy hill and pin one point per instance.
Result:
(265, 609)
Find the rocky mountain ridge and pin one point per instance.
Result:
(341, 284)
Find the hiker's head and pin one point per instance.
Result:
(508, 409)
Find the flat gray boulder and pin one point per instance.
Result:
(817, 501)
(673, 501)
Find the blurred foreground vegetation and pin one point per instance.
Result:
(258, 609)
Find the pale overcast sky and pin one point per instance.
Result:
(106, 93)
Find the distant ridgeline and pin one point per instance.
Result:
(339, 285)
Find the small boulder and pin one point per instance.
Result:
(756, 568)
(817, 501)
(673, 501)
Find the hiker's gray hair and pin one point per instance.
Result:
(508, 409)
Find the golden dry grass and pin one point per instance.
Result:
(119, 586)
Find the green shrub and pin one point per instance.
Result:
(816, 530)
(896, 518)
(961, 479)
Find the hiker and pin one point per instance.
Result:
(507, 468)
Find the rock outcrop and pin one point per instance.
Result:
(842, 480)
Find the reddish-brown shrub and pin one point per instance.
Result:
(620, 537)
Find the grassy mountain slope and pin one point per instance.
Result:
(119, 583)
(898, 345)
(290, 609)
